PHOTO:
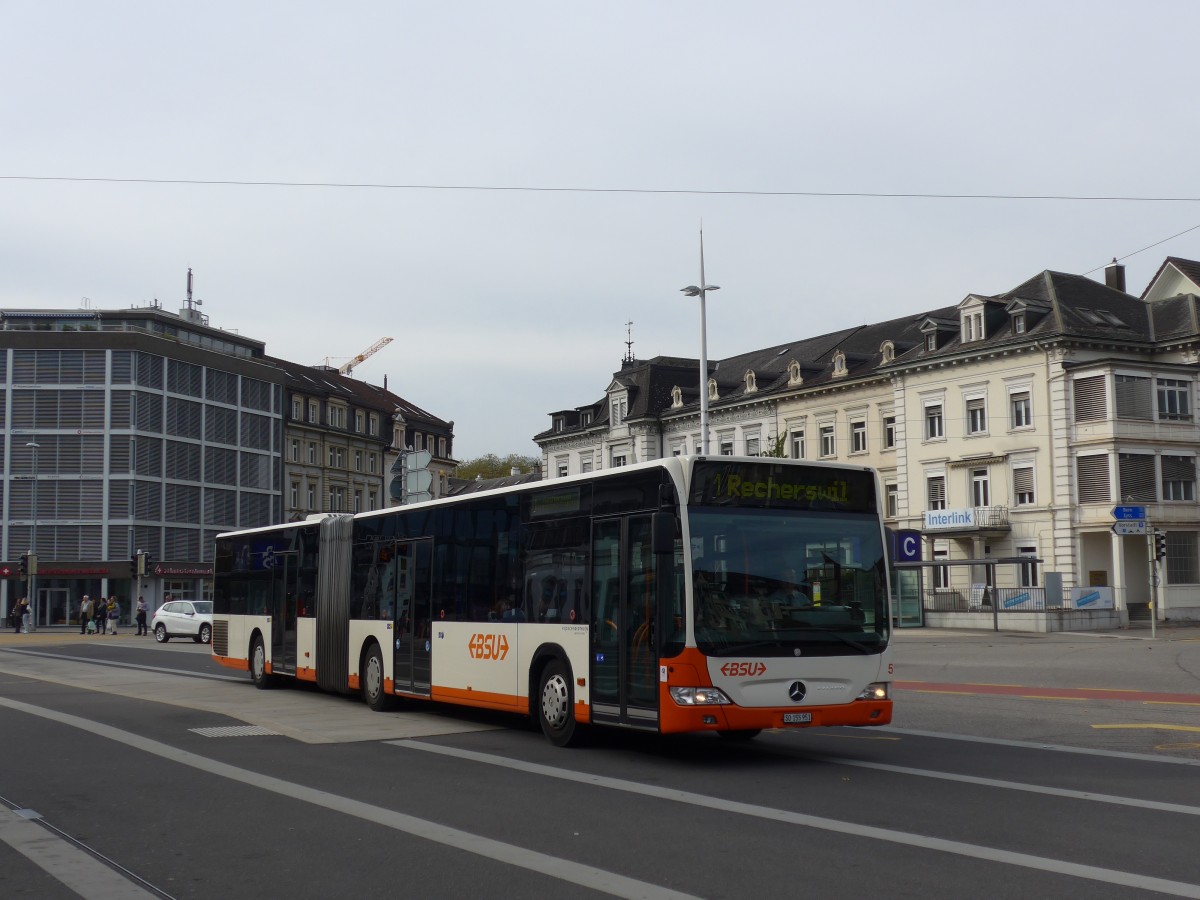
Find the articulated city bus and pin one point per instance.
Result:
(694, 593)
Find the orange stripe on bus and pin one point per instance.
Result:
(242, 665)
(482, 699)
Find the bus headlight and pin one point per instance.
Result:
(879, 690)
(698, 696)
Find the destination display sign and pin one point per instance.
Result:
(779, 486)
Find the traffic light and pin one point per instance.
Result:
(135, 561)
(23, 565)
(1160, 545)
(147, 559)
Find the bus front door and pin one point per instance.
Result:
(413, 615)
(624, 655)
(284, 585)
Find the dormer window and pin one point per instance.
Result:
(559, 423)
(712, 389)
(751, 382)
(1018, 322)
(931, 341)
(585, 419)
(794, 376)
(972, 326)
(839, 364)
(619, 406)
(676, 397)
(887, 352)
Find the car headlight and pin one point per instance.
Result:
(698, 696)
(879, 690)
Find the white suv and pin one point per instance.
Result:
(183, 618)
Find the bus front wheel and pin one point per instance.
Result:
(258, 665)
(556, 705)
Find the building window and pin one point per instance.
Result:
(294, 496)
(1091, 474)
(1134, 400)
(726, 445)
(976, 416)
(295, 450)
(1178, 477)
(357, 460)
(585, 465)
(1023, 486)
(442, 447)
(619, 409)
(337, 499)
(1020, 412)
(892, 494)
(1027, 572)
(358, 421)
(889, 432)
(372, 500)
(933, 422)
(1091, 400)
(931, 341)
(828, 441)
(312, 411)
(312, 498)
(1181, 558)
(797, 443)
(1135, 473)
(941, 574)
(373, 424)
(1174, 400)
(418, 441)
(858, 437)
(372, 461)
(358, 501)
(935, 492)
(980, 490)
(752, 446)
(563, 468)
(1019, 323)
(312, 453)
(297, 408)
(618, 460)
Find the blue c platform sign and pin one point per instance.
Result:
(907, 547)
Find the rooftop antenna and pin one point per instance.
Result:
(628, 343)
(192, 304)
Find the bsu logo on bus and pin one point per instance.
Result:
(488, 646)
(743, 669)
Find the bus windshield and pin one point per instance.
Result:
(770, 583)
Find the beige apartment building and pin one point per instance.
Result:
(1011, 434)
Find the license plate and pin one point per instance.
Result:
(796, 718)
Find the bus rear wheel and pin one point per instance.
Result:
(556, 705)
(372, 681)
(258, 665)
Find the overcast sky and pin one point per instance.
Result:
(637, 120)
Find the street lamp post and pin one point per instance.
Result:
(33, 606)
(699, 291)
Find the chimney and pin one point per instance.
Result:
(514, 471)
(1114, 276)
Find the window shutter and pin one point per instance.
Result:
(1090, 398)
(1137, 477)
(1135, 398)
(1092, 479)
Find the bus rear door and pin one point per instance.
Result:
(284, 584)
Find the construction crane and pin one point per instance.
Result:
(348, 368)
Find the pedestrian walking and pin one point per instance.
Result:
(85, 614)
(14, 615)
(114, 614)
(100, 615)
(26, 615)
(141, 616)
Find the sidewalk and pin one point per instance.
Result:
(63, 634)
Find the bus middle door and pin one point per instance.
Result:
(413, 616)
(624, 656)
(284, 575)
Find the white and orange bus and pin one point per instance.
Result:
(720, 594)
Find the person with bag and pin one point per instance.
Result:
(26, 615)
(114, 614)
(14, 615)
(85, 615)
(141, 616)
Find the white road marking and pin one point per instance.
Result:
(921, 841)
(510, 854)
(82, 873)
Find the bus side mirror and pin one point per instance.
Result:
(663, 528)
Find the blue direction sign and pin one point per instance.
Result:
(1129, 512)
